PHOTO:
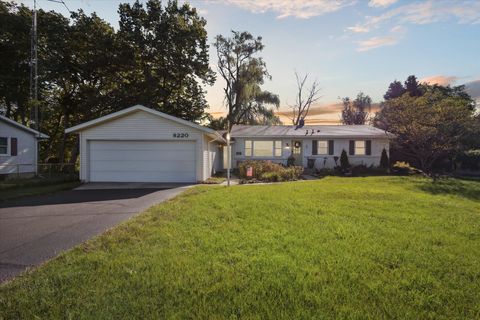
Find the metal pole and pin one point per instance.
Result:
(34, 78)
(35, 60)
(228, 154)
(228, 163)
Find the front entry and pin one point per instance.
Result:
(297, 152)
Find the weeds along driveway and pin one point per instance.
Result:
(35, 229)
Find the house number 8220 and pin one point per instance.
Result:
(180, 135)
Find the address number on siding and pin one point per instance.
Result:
(180, 135)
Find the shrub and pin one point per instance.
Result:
(359, 170)
(344, 163)
(363, 170)
(326, 172)
(269, 171)
(384, 161)
(404, 168)
(270, 177)
(291, 161)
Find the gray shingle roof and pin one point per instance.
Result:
(327, 131)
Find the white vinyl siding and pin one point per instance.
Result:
(26, 159)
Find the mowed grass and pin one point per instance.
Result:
(350, 248)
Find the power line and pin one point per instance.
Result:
(61, 2)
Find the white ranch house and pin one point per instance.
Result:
(320, 144)
(139, 144)
(18, 149)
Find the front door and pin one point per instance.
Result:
(297, 152)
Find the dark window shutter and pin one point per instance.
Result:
(330, 147)
(13, 146)
(352, 147)
(314, 147)
(368, 147)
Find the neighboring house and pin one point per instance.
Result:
(18, 149)
(139, 144)
(363, 144)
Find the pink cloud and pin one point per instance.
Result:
(440, 80)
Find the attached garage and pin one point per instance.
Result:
(139, 144)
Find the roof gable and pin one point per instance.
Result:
(14, 123)
(127, 111)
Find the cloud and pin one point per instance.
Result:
(473, 89)
(440, 80)
(381, 3)
(202, 11)
(303, 9)
(425, 12)
(376, 42)
(359, 29)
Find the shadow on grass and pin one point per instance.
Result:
(466, 188)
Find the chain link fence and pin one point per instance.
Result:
(50, 171)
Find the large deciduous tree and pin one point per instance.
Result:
(164, 58)
(430, 127)
(244, 72)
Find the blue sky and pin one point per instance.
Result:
(347, 45)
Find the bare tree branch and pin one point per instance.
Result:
(303, 103)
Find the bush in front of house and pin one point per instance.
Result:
(405, 169)
(384, 161)
(266, 171)
(344, 163)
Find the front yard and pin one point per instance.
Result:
(377, 247)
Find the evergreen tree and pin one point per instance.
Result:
(395, 90)
(384, 161)
(344, 163)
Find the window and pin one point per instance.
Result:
(3, 145)
(263, 148)
(360, 147)
(266, 148)
(322, 147)
(278, 148)
(248, 148)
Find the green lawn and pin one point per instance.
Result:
(358, 248)
(11, 189)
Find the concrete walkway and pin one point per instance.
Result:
(35, 229)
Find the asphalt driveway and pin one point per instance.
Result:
(35, 229)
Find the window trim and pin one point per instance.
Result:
(277, 149)
(7, 145)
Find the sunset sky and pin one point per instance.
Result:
(348, 45)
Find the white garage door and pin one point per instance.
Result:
(142, 161)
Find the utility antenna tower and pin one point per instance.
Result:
(34, 61)
(34, 65)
